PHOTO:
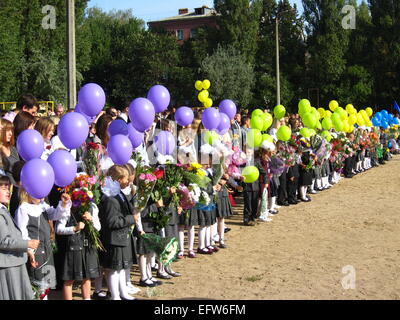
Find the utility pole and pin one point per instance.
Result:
(278, 80)
(71, 54)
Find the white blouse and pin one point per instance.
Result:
(61, 228)
(35, 210)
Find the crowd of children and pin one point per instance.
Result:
(42, 241)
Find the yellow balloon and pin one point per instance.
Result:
(352, 119)
(344, 115)
(370, 112)
(208, 103)
(353, 111)
(206, 84)
(198, 85)
(333, 105)
(349, 108)
(360, 120)
(369, 123)
(351, 128)
(203, 96)
(328, 114)
(346, 126)
(321, 112)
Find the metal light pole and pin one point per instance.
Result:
(71, 54)
(278, 80)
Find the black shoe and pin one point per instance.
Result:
(306, 200)
(349, 176)
(164, 276)
(293, 202)
(274, 211)
(145, 284)
(157, 282)
(284, 204)
(96, 296)
(227, 230)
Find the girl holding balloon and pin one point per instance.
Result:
(32, 218)
(45, 126)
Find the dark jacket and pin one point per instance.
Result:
(116, 218)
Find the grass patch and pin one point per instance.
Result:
(254, 278)
(154, 292)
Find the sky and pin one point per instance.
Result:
(149, 10)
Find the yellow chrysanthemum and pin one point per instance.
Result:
(196, 165)
(200, 173)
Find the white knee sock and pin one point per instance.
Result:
(214, 232)
(312, 185)
(182, 238)
(123, 289)
(271, 203)
(113, 283)
(143, 266)
(221, 230)
(150, 257)
(208, 236)
(191, 237)
(128, 276)
(98, 283)
(202, 237)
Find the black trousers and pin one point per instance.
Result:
(250, 205)
(282, 189)
(292, 188)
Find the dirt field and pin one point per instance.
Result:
(301, 253)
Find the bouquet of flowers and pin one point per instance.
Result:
(196, 175)
(187, 197)
(84, 192)
(145, 182)
(287, 153)
(234, 161)
(91, 158)
(165, 248)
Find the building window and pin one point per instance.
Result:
(179, 34)
(193, 33)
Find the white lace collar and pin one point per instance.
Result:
(34, 210)
(111, 188)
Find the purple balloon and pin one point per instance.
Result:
(210, 118)
(118, 126)
(160, 97)
(78, 109)
(64, 166)
(184, 116)
(120, 149)
(91, 99)
(165, 143)
(73, 130)
(135, 136)
(30, 144)
(37, 178)
(142, 114)
(228, 107)
(224, 124)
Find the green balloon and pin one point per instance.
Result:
(335, 117)
(250, 174)
(284, 133)
(257, 122)
(327, 135)
(305, 132)
(338, 125)
(267, 137)
(304, 106)
(279, 111)
(267, 118)
(327, 123)
(257, 112)
(312, 132)
(254, 138)
(309, 120)
(210, 137)
(319, 126)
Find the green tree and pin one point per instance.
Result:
(385, 50)
(230, 75)
(238, 25)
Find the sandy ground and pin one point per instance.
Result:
(302, 252)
